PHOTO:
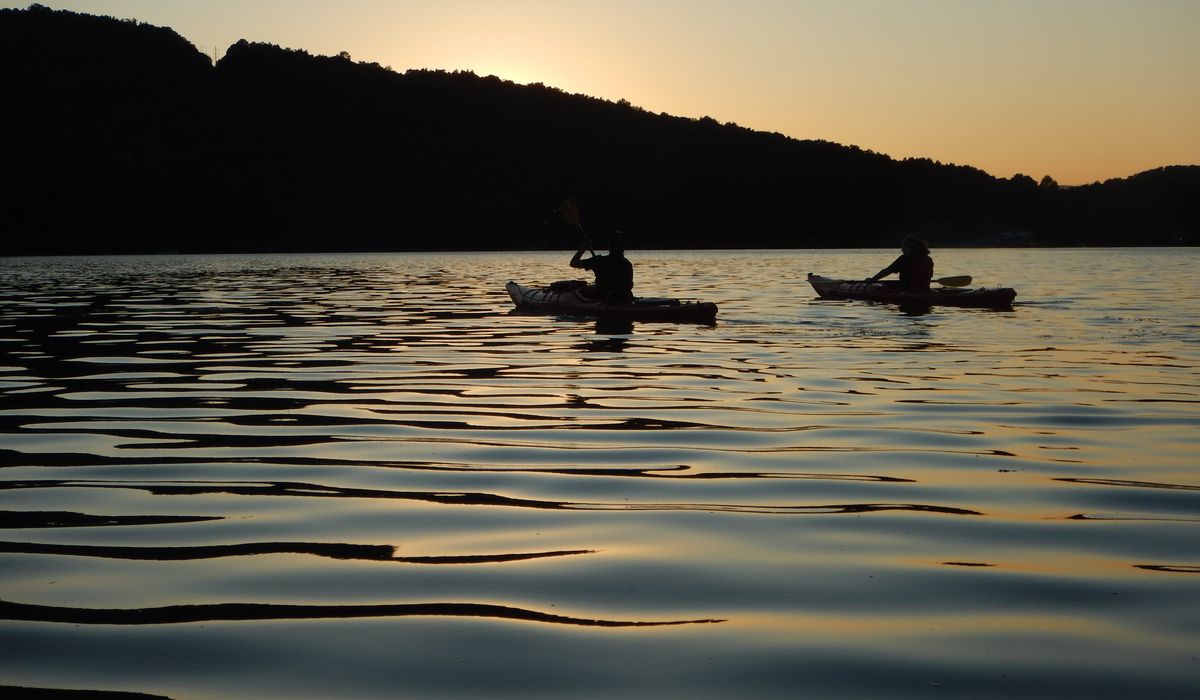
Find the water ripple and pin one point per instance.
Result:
(306, 490)
(374, 452)
(226, 612)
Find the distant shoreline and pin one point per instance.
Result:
(632, 252)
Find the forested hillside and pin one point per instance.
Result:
(122, 137)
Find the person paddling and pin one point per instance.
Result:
(614, 273)
(914, 266)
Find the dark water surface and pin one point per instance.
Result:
(362, 476)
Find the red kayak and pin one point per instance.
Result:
(564, 299)
(982, 297)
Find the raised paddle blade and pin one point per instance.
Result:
(959, 281)
(570, 213)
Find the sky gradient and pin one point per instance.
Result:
(1081, 90)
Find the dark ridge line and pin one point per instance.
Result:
(1124, 482)
(300, 489)
(1169, 568)
(26, 693)
(364, 552)
(229, 612)
(10, 519)
(965, 563)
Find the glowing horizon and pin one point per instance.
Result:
(1080, 91)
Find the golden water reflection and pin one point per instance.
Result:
(373, 450)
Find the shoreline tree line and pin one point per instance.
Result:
(123, 137)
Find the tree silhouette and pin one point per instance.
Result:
(131, 139)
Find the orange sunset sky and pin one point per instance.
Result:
(1080, 90)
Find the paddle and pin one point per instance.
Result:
(959, 281)
(570, 214)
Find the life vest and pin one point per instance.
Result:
(917, 274)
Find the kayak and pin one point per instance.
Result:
(982, 297)
(563, 298)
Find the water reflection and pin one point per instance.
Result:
(217, 612)
(1170, 569)
(376, 453)
(364, 552)
(10, 519)
(613, 326)
(306, 490)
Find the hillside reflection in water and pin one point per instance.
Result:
(363, 475)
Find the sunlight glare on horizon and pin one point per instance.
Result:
(1081, 91)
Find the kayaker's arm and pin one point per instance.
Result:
(577, 260)
(894, 267)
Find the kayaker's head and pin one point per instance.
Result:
(911, 245)
(616, 243)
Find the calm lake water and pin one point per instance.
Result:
(363, 476)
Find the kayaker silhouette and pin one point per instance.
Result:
(914, 266)
(614, 272)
